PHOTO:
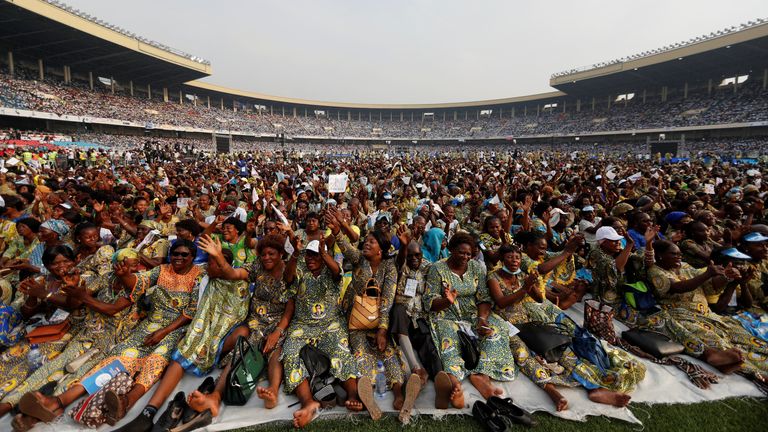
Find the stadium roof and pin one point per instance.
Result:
(726, 53)
(61, 36)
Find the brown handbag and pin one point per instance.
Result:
(48, 333)
(365, 309)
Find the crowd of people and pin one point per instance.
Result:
(396, 272)
(722, 106)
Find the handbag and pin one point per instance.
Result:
(547, 340)
(470, 352)
(365, 309)
(654, 343)
(318, 365)
(589, 347)
(48, 333)
(638, 296)
(247, 366)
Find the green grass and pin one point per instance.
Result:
(737, 414)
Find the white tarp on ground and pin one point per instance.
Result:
(662, 384)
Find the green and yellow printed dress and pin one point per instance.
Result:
(317, 321)
(268, 302)
(223, 307)
(495, 356)
(687, 319)
(170, 295)
(363, 342)
(100, 332)
(569, 371)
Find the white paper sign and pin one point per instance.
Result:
(289, 249)
(407, 180)
(254, 196)
(337, 183)
(301, 170)
(718, 181)
(182, 202)
(709, 189)
(280, 215)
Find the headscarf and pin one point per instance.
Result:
(56, 225)
(124, 254)
(432, 250)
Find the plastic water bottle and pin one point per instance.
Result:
(381, 380)
(34, 358)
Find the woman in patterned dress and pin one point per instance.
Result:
(222, 308)
(94, 259)
(109, 319)
(457, 297)
(269, 313)
(317, 321)
(492, 238)
(372, 264)
(686, 317)
(172, 290)
(519, 299)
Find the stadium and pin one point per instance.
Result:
(72, 74)
(180, 255)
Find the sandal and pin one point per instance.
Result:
(115, 407)
(443, 389)
(30, 405)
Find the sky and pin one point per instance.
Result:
(417, 51)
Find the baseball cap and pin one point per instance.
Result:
(588, 208)
(313, 246)
(607, 233)
(755, 237)
(676, 216)
(387, 196)
(736, 254)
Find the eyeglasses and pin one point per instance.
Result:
(180, 254)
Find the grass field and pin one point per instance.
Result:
(738, 414)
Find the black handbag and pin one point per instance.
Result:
(547, 340)
(470, 352)
(247, 366)
(318, 365)
(654, 343)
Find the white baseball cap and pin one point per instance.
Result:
(313, 246)
(607, 233)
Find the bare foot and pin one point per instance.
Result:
(457, 393)
(561, 403)
(608, 397)
(726, 361)
(268, 396)
(423, 375)
(354, 405)
(412, 389)
(443, 389)
(23, 423)
(483, 384)
(397, 390)
(365, 392)
(306, 414)
(201, 402)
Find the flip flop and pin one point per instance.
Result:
(30, 405)
(443, 389)
(412, 389)
(365, 392)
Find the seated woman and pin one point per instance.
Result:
(189, 229)
(93, 258)
(152, 248)
(755, 245)
(372, 265)
(557, 268)
(235, 238)
(492, 238)
(110, 318)
(317, 321)
(519, 299)
(172, 290)
(697, 246)
(686, 317)
(269, 313)
(457, 297)
(41, 295)
(222, 308)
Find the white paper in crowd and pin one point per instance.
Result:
(655, 175)
(495, 173)
(289, 249)
(204, 191)
(3, 170)
(410, 287)
(409, 218)
(337, 183)
(495, 200)
(407, 180)
(610, 175)
(241, 214)
(182, 202)
(301, 170)
(635, 177)
(315, 177)
(518, 167)
(709, 189)
(254, 173)
(512, 329)
(364, 181)
(12, 161)
(280, 215)
(718, 181)
(758, 182)
(164, 182)
(254, 196)
(280, 176)
(544, 163)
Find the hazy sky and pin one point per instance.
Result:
(391, 51)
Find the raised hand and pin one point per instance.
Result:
(403, 235)
(211, 246)
(450, 294)
(651, 233)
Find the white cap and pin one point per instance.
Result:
(588, 208)
(313, 246)
(607, 233)
(555, 214)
